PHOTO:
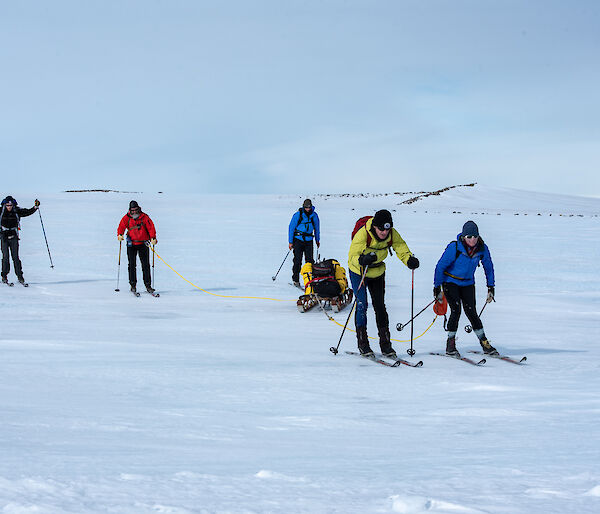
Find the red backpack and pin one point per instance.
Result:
(360, 223)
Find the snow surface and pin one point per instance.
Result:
(196, 403)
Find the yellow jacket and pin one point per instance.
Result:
(359, 247)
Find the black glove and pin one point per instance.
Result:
(490, 296)
(412, 262)
(437, 293)
(367, 259)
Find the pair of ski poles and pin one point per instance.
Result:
(410, 351)
(285, 258)
(119, 265)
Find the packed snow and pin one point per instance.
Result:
(196, 403)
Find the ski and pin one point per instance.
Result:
(373, 358)
(135, 293)
(156, 295)
(294, 285)
(460, 358)
(9, 284)
(501, 357)
(24, 284)
(400, 360)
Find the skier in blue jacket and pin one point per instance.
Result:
(455, 273)
(304, 225)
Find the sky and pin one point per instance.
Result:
(299, 96)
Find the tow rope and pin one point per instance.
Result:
(331, 318)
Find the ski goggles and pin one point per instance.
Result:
(471, 237)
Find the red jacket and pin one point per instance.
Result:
(139, 230)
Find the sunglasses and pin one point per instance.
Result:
(471, 237)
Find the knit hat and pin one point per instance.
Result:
(133, 205)
(307, 203)
(9, 199)
(470, 229)
(383, 220)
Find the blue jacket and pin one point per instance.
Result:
(461, 269)
(302, 226)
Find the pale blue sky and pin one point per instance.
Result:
(297, 96)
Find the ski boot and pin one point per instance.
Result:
(451, 347)
(150, 289)
(133, 288)
(487, 347)
(4, 280)
(297, 284)
(363, 341)
(385, 343)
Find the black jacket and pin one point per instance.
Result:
(10, 220)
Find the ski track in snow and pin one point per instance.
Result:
(191, 403)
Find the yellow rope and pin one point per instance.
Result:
(215, 294)
(331, 318)
(276, 300)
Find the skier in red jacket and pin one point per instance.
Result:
(140, 230)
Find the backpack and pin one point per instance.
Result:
(360, 223)
(310, 219)
(323, 280)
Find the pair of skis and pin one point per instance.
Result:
(379, 358)
(138, 294)
(504, 358)
(11, 284)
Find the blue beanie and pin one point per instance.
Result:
(470, 229)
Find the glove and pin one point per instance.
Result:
(153, 241)
(367, 259)
(318, 244)
(291, 245)
(412, 262)
(120, 237)
(437, 293)
(490, 296)
(36, 204)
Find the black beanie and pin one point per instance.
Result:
(383, 218)
(133, 205)
(307, 203)
(470, 229)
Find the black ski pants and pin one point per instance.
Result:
(301, 248)
(144, 252)
(456, 295)
(11, 245)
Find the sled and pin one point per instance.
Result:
(336, 304)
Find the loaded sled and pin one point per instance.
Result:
(325, 282)
(336, 304)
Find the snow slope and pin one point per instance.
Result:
(196, 403)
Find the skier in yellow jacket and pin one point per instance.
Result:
(371, 242)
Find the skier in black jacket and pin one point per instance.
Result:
(9, 237)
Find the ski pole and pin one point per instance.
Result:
(284, 259)
(469, 328)
(153, 283)
(411, 350)
(401, 326)
(335, 349)
(119, 267)
(44, 230)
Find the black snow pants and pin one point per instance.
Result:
(456, 295)
(11, 244)
(144, 253)
(301, 248)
